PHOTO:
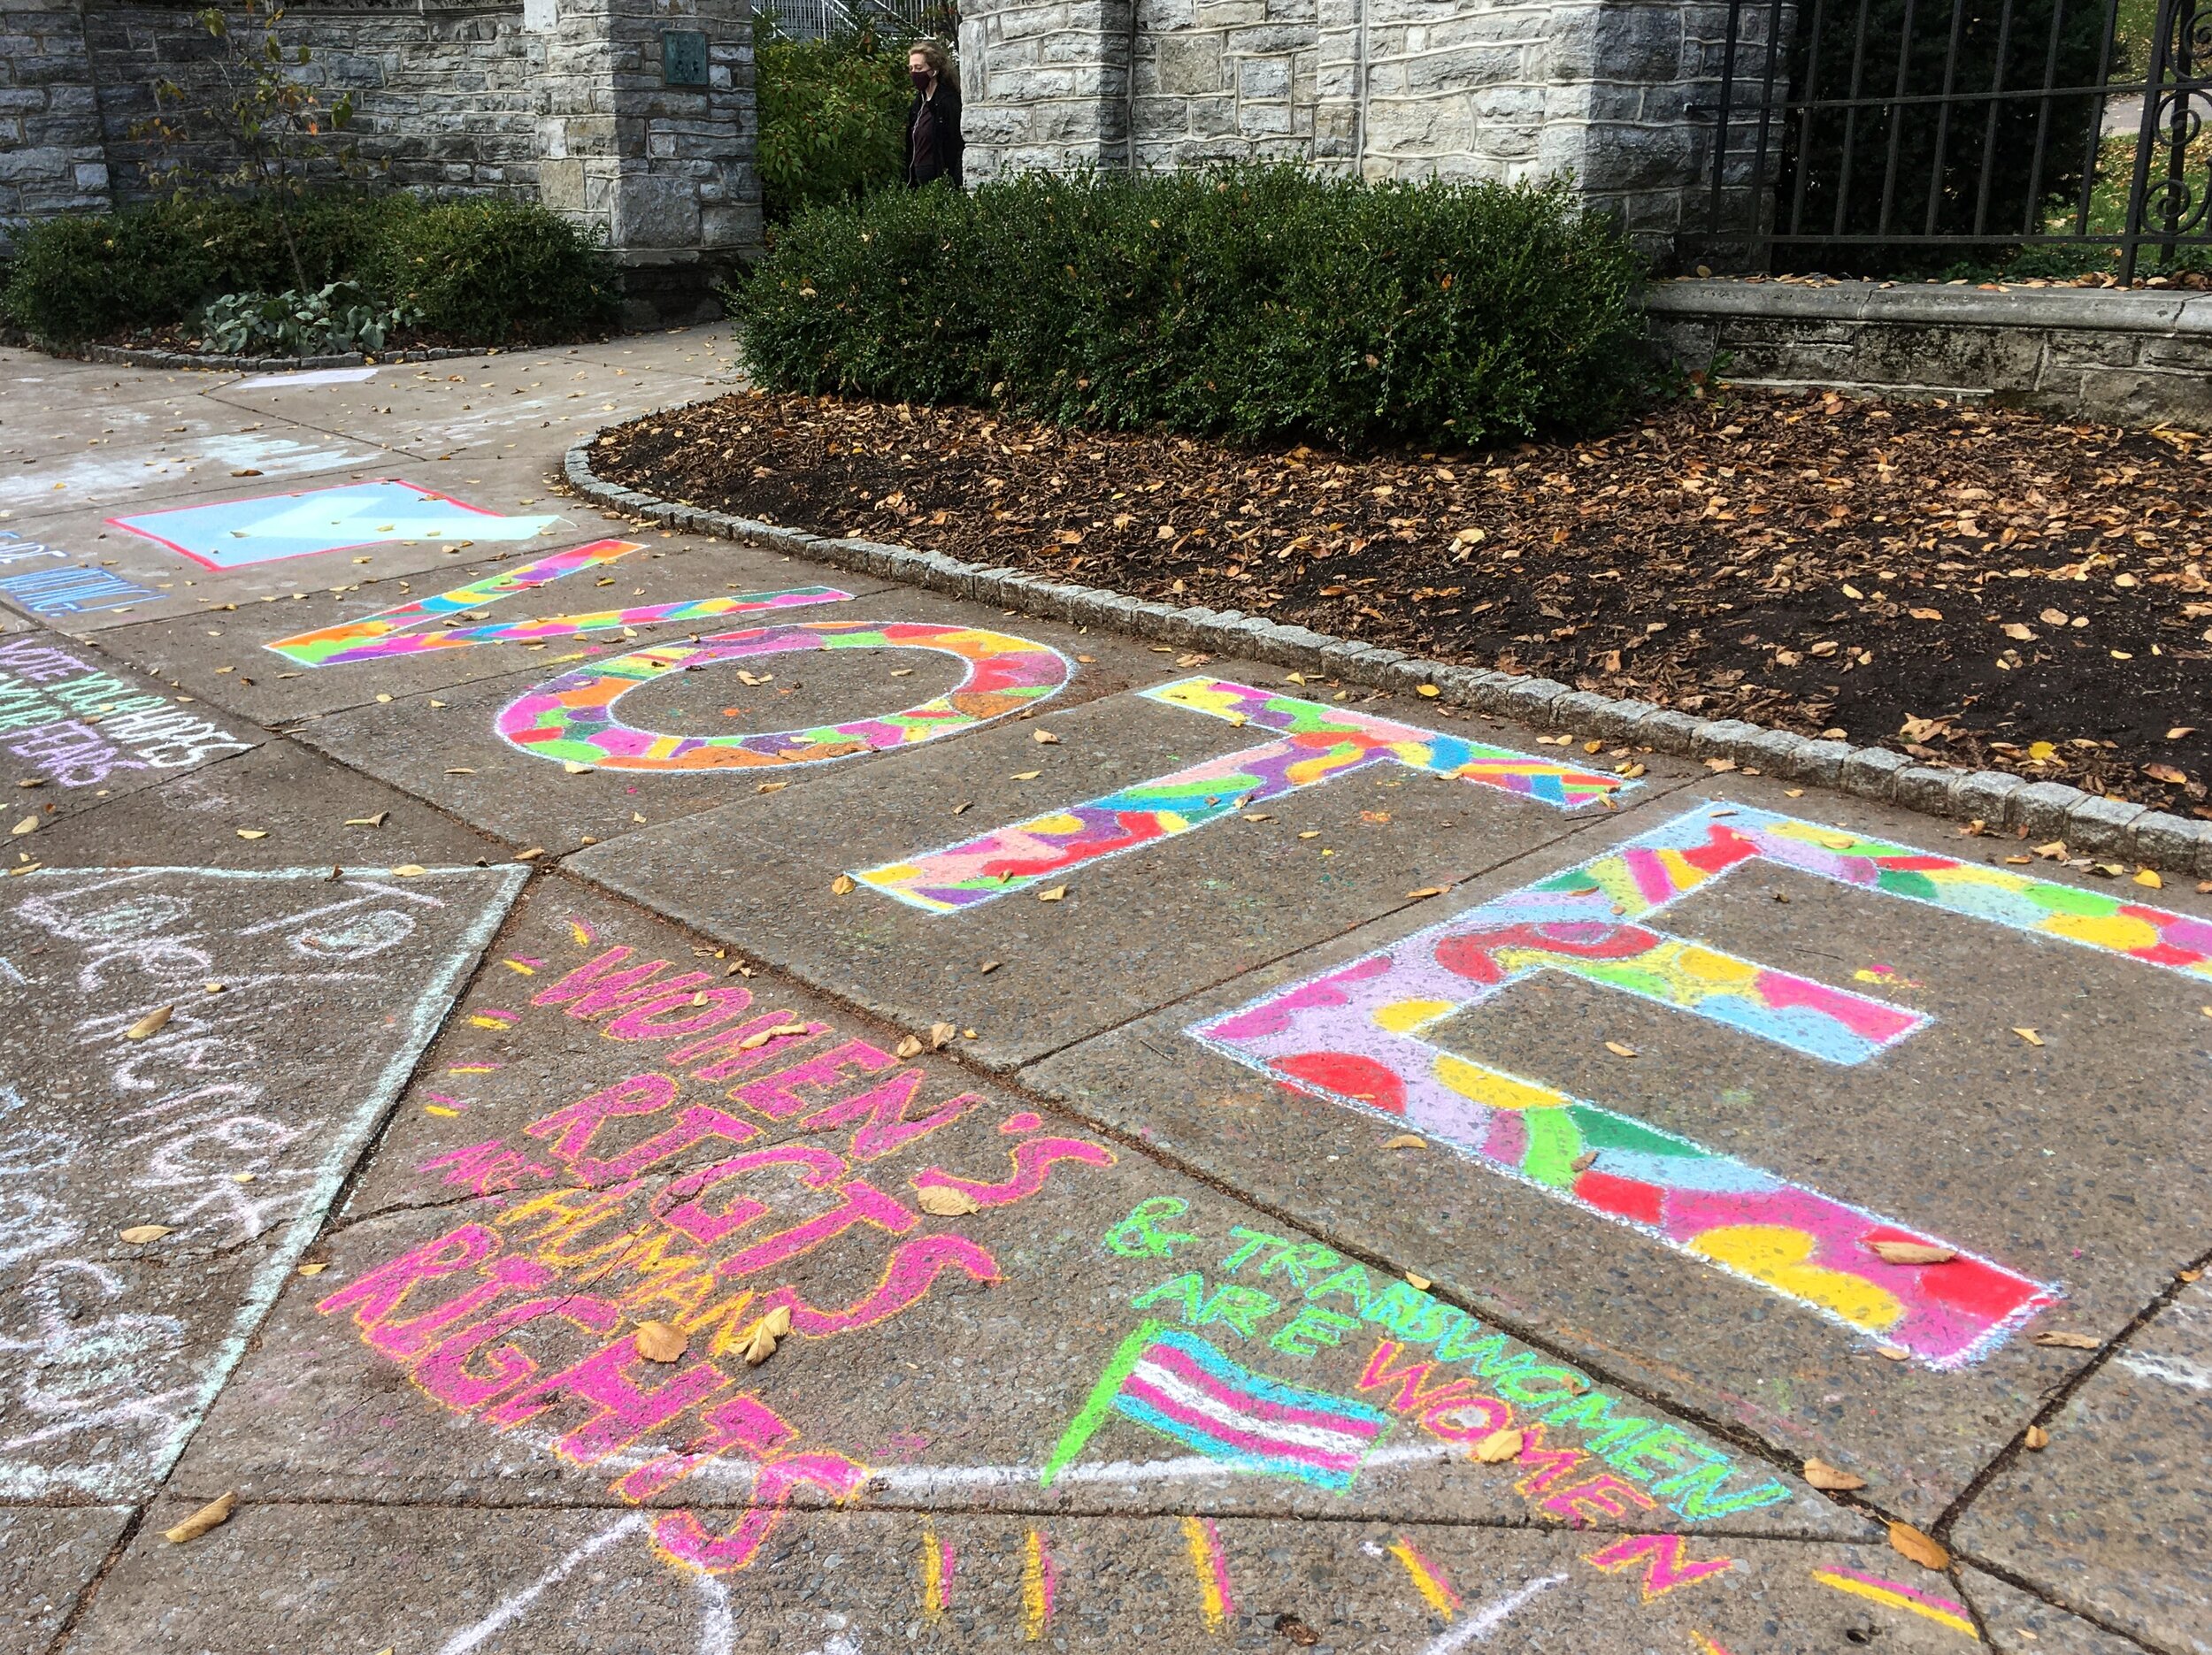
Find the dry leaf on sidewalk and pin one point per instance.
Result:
(151, 1023)
(1831, 1478)
(658, 1342)
(214, 1515)
(1498, 1447)
(138, 1235)
(1911, 1253)
(947, 1203)
(2069, 1341)
(1925, 1550)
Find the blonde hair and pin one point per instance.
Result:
(939, 60)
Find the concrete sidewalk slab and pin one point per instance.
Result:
(1318, 862)
(48, 1556)
(1957, 1129)
(858, 1583)
(134, 993)
(2134, 1439)
(303, 809)
(78, 727)
(2020, 1624)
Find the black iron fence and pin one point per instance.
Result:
(1880, 136)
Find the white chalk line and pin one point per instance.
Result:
(1489, 1618)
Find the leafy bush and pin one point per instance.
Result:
(833, 119)
(479, 272)
(495, 272)
(338, 318)
(79, 277)
(1254, 302)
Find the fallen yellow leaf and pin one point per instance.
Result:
(1618, 1050)
(574, 769)
(139, 1235)
(375, 821)
(1044, 738)
(1831, 1478)
(312, 1269)
(28, 824)
(908, 1046)
(2036, 1438)
(940, 1036)
(1429, 690)
(410, 870)
(658, 1342)
(214, 1515)
(253, 832)
(1407, 1140)
(1925, 1550)
(2148, 877)
(1498, 1447)
(947, 1203)
(843, 885)
(1418, 1284)
(1911, 1253)
(2030, 1035)
(1426, 890)
(1025, 776)
(2062, 1340)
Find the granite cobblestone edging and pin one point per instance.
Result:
(138, 357)
(2088, 824)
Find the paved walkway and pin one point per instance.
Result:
(622, 1092)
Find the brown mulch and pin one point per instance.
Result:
(1973, 586)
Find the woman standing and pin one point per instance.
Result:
(934, 143)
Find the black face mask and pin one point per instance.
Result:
(920, 78)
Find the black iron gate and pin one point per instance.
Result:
(1881, 135)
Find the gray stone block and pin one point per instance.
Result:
(2041, 807)
(1872, 772)
(1719, 738)
(1530, 699)
(1820, 763)
(1771, 751)
(1579, 711)
(2170, 843)
(1925, 787)
(1980, 795)
(2101, 825)
(1666, 730)
(1616, 720)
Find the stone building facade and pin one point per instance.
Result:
(1616, 94)
(584, 104)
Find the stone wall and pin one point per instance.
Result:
(561, 101)
(1614, 93)
(51, 159)
(2118, 357)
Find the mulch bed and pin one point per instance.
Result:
(1973, 586)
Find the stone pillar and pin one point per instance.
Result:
(1044, 84)
(52, 159)
(645, 132)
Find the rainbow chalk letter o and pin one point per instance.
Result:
(574, 717)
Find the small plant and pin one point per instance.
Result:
(332, 321)
(268, 128)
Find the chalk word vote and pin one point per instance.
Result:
(1311, 743)
(575, 718)
(1358, 1035)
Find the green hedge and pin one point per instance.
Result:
(488, 272)
(1254, 302)
(495, 273)
(833, 119)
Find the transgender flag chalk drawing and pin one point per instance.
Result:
(233, 534)
(1181, 1386)
(1356, 1035)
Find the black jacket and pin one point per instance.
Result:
(945, 106)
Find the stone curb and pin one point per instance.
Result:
(2088, 825)
(133, 357)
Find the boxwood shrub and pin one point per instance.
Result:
(1250, 302)
(481, 272)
